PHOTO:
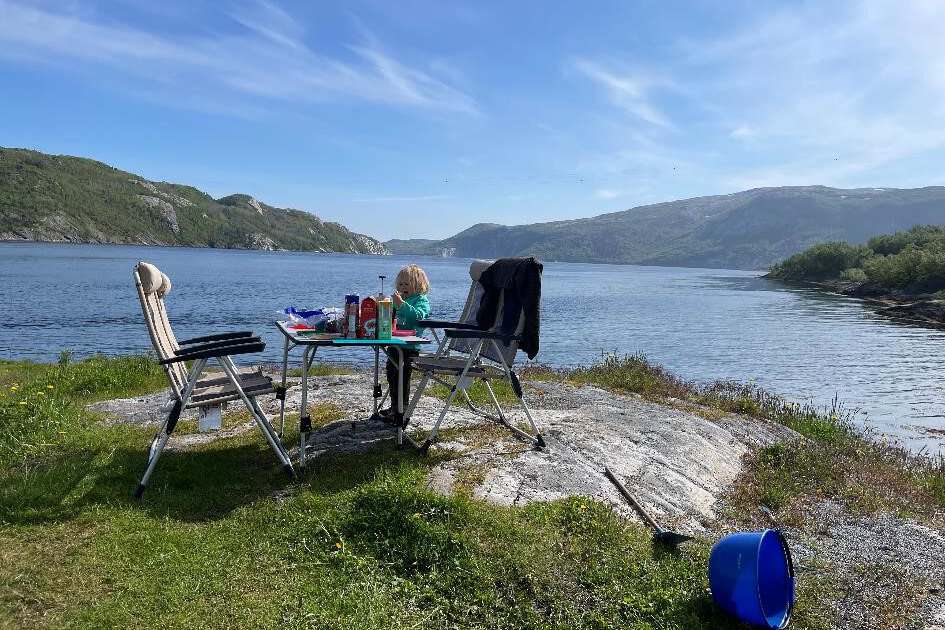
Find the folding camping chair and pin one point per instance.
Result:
(467, 354)
(188, 390)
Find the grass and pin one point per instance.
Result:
(222, 540)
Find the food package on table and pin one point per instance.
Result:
(319, 319)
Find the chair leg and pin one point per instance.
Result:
(538, 440)
(425, 447)
(460, 385)
(160, 440)
(259, 416)
(157, 446)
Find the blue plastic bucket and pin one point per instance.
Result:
(752, 577)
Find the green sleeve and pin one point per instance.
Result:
(409, 314)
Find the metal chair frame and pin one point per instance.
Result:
(187, 389)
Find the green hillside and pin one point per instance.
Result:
(911, 261)
(752, 229)
(61, 198)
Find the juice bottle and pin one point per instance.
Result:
(368, 329)
(385, 313)
(351, 316)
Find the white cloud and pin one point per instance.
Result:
(606, 193)
(627, 91)
(268, 60)
(835, 93)
(743, 132)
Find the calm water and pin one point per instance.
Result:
(703, 324)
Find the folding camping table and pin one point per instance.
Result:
(312, 341)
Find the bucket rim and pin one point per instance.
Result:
(782, 541)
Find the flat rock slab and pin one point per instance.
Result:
(677, 462)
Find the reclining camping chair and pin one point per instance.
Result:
(467, 354)
(188, 390)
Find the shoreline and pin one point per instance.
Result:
(921, 309)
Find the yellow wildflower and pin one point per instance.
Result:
(338, 545)
(22, 402)
(49, 387)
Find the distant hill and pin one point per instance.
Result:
(67, 199)
(752, 229)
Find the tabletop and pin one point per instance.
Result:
(307, 337)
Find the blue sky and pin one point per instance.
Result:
(418, 119)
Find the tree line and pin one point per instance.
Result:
(912, 260)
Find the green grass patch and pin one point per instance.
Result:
(221, 539)
(39, 403)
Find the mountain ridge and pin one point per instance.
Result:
(61, 198)
(750, 229)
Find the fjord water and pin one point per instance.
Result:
(703, 324)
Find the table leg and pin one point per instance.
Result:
(377, 384)
(282, 392)
(305, 420)
(400, 398)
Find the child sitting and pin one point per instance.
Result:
(410, 306)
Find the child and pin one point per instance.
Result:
(410, 306)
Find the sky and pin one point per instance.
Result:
(415, 119)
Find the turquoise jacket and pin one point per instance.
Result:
(414, 308)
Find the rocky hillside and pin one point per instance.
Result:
(66, 199)
(752, 229)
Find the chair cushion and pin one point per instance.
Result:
(455, 365)
(221, 389)
(153, 280)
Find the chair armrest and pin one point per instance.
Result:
(435, 323)
(481, 334)
(242, 345)
(217, 337)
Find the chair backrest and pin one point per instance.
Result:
(152, 286)
(512, 322)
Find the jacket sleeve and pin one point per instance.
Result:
(412, 313)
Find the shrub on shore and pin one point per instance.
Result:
(912, 260)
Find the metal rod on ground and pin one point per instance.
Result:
(660, 535)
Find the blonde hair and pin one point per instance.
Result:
(416, 278)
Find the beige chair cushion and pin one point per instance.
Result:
(153, 280)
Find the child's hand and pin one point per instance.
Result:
(397, 299)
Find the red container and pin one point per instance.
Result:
(367, 326)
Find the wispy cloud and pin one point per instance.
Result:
(267, 60)
(834, 93)
(631, 92)
(606, 193)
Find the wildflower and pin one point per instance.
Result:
(49, 387)
(13, 388)
(338, 545)
(22, 402)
